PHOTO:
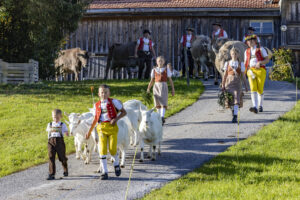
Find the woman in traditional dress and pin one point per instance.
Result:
(232, 80)
(159, 77)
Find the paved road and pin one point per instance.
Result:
(191, 138)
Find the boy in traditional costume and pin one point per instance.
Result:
(186, 42)
(106, 115)
(145, 52)
(56, 145)
(255, 60)
(218, 31)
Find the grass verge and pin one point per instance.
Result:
(25, 111)
(265, 166)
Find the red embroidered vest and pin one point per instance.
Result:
(161, 77)
(185, 40)
(111, 110)
(221, 33)
(258, 55)
(140, 48)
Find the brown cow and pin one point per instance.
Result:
(70, 61)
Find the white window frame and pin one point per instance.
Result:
(261, 25)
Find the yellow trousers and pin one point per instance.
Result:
(107, 133)
(257, 84)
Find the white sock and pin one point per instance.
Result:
(260, 99)
(103, 163)
(162, 112)
(254, 99)
(235, 109)
(116, 160)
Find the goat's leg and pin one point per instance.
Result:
(150, 152)
(159, 148)
(123, 156)
(153, 156)
(216, 76)
(76, 149)
(142, 149)
(136, 138)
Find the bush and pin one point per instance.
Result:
(282, 69)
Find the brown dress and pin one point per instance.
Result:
(160, 89)
(233, 84)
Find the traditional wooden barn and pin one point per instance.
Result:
(119, 21)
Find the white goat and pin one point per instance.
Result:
(79, 126)
(151, 133)
(133, 109)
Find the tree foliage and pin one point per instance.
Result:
(37, 29)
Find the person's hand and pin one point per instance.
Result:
(87, 136)
(173, 92)
(223, 88)
(113, 121)
(257, 65)
(67, 133)
(246, 89)
(148, 90)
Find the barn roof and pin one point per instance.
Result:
(119, 4)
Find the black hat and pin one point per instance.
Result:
(146, 31)
(251, 28)
(190, 29)
(217, 24)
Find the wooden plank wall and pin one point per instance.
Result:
(98, 34)
(293, 22)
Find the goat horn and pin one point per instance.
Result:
(67, 122)
(67, 114)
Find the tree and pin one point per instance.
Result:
(37, 29)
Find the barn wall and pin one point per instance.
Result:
(97, 34)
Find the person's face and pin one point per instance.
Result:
(104, 93)
(146, 35)
(233, 55)
(160, 62)
(251, 43)
(215, 27)
(56, 117)
(189, 32)
(250, 32)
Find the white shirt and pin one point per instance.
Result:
(161, 70)
(253, 59)
(56, 134)
(234, 65)
(224, 33)
(258, 40)
(104, 115)
(188, 40)
(146, 44)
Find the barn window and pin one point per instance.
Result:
(262, 27)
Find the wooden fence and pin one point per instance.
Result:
(19, 72)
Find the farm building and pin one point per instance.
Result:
(119, 21)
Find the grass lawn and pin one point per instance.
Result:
(265, 166)
(25, 111)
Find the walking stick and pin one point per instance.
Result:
(186, 66)
(92, 91)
